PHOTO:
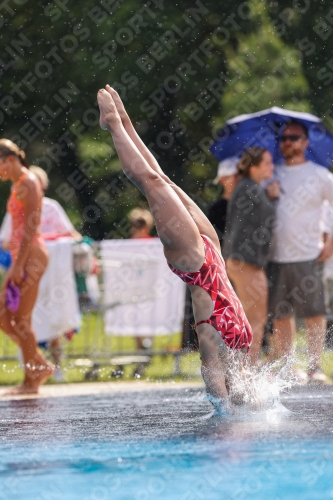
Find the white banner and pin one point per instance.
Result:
(141, 294)
(57, 308)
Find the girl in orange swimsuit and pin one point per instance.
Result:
(191, 247)
(30, 258)
(17, 210)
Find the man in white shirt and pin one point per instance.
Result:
(295, 271)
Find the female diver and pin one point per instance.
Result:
(191, 247)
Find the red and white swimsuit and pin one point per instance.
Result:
(228, 316)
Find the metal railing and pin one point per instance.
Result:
(91, 348)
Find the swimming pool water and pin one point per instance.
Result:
(164, 444)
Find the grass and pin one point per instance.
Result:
(92, 343)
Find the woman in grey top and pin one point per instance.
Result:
(249, 227)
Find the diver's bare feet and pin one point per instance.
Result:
(109, 117)
(119, 104)
(34, 378)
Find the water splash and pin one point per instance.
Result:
(254, 389)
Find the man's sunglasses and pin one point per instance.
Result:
(292, 138)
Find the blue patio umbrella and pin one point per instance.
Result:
(264, 128)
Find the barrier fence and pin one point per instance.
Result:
(136, 296)
(93, 349)
(134, 284)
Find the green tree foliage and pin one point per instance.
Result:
(271, 73)
(171, 62)
(167, 60)
(307, 27)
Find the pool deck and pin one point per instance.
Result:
(82, 389)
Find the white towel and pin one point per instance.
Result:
(57, 309)
(160, 308)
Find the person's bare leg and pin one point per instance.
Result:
(37, 368)
(203, 224)
(252, 289)
(284, 336)
(273, 351)
(183, 246)
(316, 331)
(212, 348)
(6, 322)
(212, 368)
(55, 349)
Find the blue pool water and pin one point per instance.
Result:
(165, 444)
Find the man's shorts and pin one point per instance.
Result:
(296, 289)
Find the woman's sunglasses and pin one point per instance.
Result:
(292, 138)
